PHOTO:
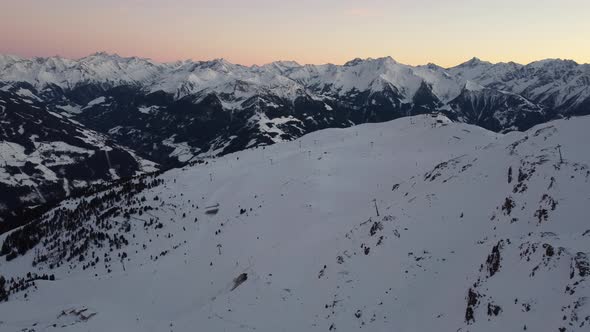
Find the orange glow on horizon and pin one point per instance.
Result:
(330, 31)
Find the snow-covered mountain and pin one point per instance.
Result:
(561, 86)
(128, 98)
(495, 110)
(45, 156)
(417, 224)
(100, 68)
(538, 80)
(174, 113)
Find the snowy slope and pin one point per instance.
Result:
(417, 224)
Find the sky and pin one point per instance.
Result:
(445, 32)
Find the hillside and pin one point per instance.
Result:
(417, 224)
(45, 156)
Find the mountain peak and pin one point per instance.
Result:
(475, 61)
(432, 66)
(5, 58)
(286, 63)
(100, 53)
(217, 64)
(101, 56)
(553, 62)
(358, 61)
(354, 62)
(387, 59)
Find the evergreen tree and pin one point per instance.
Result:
(3, 291)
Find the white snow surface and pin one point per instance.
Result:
(439, 188)
(182, 150)
(236, 83)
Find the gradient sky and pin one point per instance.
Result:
(446, 32)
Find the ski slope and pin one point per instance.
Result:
(417, 224)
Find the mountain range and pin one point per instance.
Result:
(162, 115)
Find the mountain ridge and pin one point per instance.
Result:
(188, 77)
(284, 61)
(343, 229)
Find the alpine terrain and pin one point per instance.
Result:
(454, 221)
(121, 116)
